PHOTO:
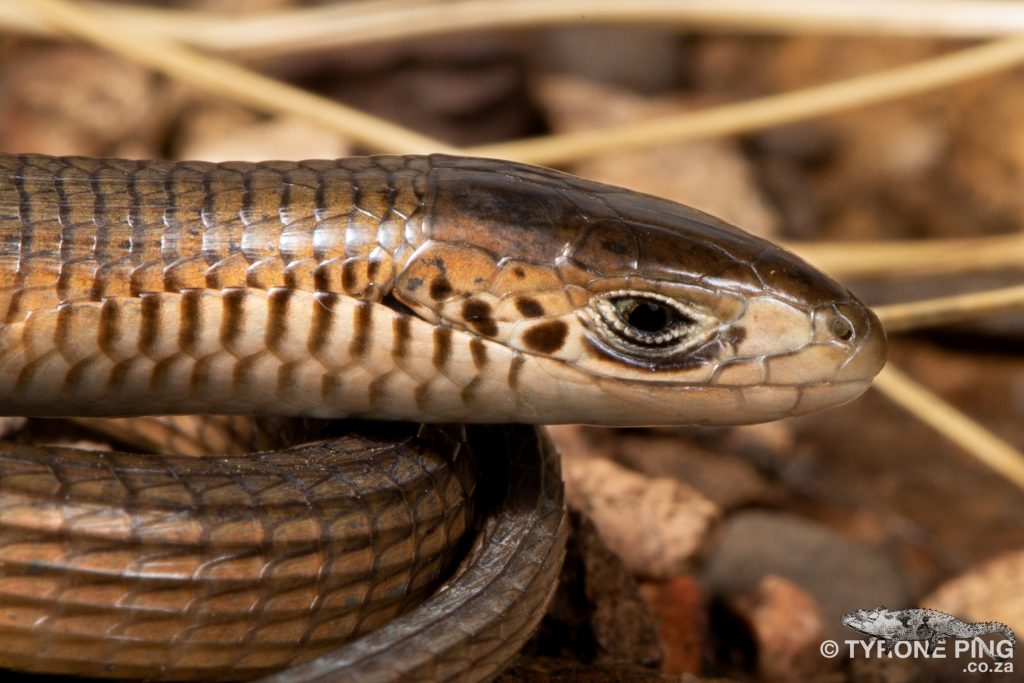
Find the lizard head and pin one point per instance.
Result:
(628, 309)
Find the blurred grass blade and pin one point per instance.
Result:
(914, 257)
(952, 423)
(357, 23)
(947, 310)
(774, 110)
(222, 78)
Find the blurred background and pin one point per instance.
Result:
(736, 551)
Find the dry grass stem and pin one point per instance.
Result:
(222, 78)
(914, 257)
(945, 310)
(952, 423)
(252, 89)
(356, 23)
(769, 111)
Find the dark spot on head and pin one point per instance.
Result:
(414, 283)
(546, 337)
(734, 336)
(440, 288)
(519, 272)
(707, 353)
(474, 309)
(530, 308)
(478, 315)
(439, 263)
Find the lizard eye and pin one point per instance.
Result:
(646, 327)
(652, 317)
(646, 320)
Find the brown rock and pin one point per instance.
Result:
(993, 591)
(787, 629)
(75, 100)
(840, 574)
(674, 517)
(727, 481)
(682, 623)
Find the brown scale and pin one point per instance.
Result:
(120, 228)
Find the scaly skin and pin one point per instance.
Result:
(430, 289)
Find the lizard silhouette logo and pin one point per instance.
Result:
(929, 628)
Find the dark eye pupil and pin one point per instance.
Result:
(649, 317)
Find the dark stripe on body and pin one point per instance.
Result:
(362, 328)
(149, 322)
(323, 316)
(110, 316)
(400, 327)
(190, 321)
(442, 347)
(278, 300)
(232, 320)
(479, 352)
(513, 372)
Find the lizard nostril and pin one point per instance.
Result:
(842, 328)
